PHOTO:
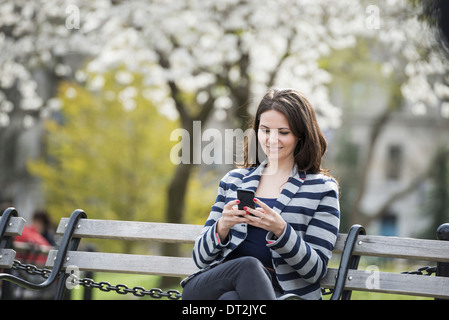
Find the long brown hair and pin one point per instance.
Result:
(302, 121)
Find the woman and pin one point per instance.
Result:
(284, 244)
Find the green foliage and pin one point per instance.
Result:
(110, 154)
(202, 191)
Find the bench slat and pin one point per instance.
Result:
(427, 286)
(396, 247)
(416, 285)
(7, 257)
(133, 230)
(15, 226)
(127, 263)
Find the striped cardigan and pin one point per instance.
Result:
(310, 206)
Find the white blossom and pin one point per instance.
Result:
(204, 40)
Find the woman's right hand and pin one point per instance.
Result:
(230, 217)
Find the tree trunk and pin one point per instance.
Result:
(354, 216)
(177, 190)
(176, 193)
(394, 104)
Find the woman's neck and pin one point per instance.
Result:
(279, 167)
(274, 178)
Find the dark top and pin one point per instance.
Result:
(255, 245)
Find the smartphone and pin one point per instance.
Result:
(246, 199)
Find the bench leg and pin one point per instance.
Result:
(66, 244)
(61, 288)
(443, 267)
(5, 241)
(348, 261)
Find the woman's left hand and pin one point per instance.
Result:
(265, 218)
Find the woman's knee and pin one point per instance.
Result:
(250, 262)
(252, 266)
(253, 280)
(253, 263)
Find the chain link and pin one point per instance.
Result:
(31, 269)
(137, 291)
(429, 271)
(104, 286)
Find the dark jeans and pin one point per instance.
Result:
(243, 278)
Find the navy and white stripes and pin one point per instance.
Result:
(308, 203)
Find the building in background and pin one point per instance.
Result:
(398, 184)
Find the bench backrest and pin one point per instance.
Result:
(432, 251)
(14, 228)
(130, 263)
(366, 245)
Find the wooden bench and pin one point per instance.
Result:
(343, 279)
(432, 251)
(130, 263)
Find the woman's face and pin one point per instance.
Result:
(275, 136)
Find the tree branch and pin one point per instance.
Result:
(174, 90)
(274, 72)
(395, 197)
(414, 183)
(379, 124)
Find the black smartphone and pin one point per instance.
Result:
(246, 199)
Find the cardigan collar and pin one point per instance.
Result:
(251, 182)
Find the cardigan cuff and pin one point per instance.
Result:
(218, 243)
(275, 242)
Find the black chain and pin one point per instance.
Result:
(138, 291)
(104, 286)
(31, 269)
(429, 271)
